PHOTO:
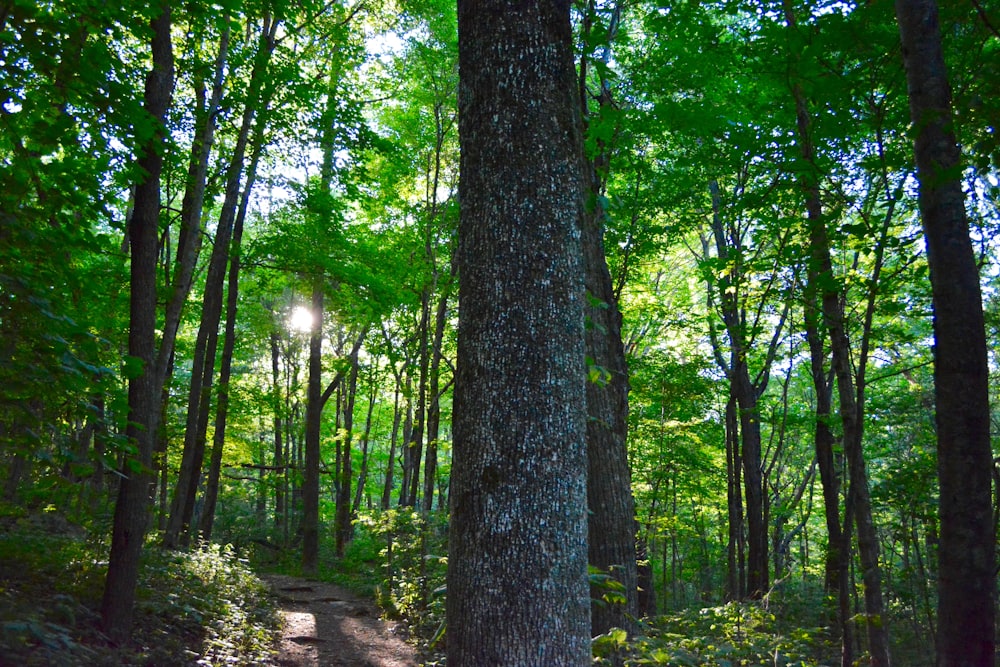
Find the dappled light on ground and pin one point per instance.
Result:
(328, 626)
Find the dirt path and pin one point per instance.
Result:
(327, 626)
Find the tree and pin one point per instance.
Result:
(517, 569)
(132, 508)
(966, 553)
(611, 508)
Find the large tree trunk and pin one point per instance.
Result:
(966, 554)
(132, 509)
(517, 575)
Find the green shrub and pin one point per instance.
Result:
(201, 607)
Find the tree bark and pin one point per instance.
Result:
(611, 517)
(314, 419)
(966, 553)
(517, 571)
(132, 508)
(203, 365)
(343, 528)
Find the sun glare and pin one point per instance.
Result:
(300, 320)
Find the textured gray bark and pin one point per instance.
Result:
(966, 554)
(517, 571)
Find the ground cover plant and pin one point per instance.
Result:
(198, 607)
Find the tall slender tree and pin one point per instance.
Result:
(134, 490)
(611, 508)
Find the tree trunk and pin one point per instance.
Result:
(365, 444)
(279, 453)
(517, 571)
(414, 447)
(132, 508)
(611, 517)
(434, 405)
(343, 529)
(228, 345)
(390, 466)
(735, 563)
(314, 419)
(966, 553)
(203, 365)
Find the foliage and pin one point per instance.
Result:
(731, 635)
(413, 554)
(202, 607)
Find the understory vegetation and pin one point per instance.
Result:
(199, 607)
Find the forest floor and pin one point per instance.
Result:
(325, 625)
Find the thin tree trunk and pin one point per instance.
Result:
(735, 566)
(363, 476)
(314, 418)
(132, 508)
(279, 453)
(203, 365)
(343, 528)
(434, 405)
(228, 345)
(390, 465)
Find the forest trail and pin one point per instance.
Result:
(327, 626)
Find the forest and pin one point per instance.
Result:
(701, 372)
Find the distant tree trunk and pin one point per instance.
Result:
(343, 529)
(228, 346)
(611, 517)
(517, 569)
(434, 404)
(279, 459)
(363, 475)
(406, 467)
(414, 447)
(134, 490)
(746, 391)
(966, 552)
(735, 552)
(203, 365)
(314, 419)
(397, 415)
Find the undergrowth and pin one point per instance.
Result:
(202, 607)
(736, 634)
